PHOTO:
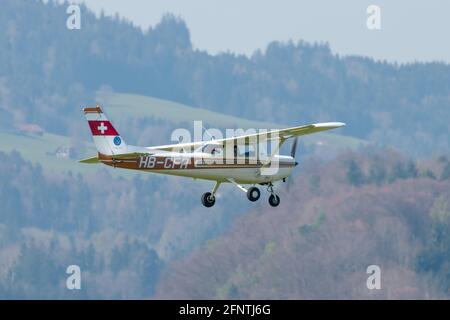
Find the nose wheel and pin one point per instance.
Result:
(274, 200)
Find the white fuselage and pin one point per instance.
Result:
(209, 167)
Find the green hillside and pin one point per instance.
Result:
(42, 149)
(122, 105)
(129, 105)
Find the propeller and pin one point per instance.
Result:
(294, 148)
(293, 153)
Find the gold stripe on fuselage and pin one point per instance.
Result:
(154, 163)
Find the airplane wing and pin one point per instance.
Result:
(308, 129)
(284, 134)
(279, 134)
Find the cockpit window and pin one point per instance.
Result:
(214, 150)
(244, 151)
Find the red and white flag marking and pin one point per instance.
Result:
(102, 128)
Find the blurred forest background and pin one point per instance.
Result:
(385, 201)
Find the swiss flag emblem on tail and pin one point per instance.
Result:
(106, 138)
(102, 128)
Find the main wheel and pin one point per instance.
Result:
(253, 194)
(208, 199)
(274, 200)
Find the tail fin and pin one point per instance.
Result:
(106, 138)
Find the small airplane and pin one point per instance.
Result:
(215, 160)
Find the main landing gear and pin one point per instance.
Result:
(209, 198)
(253, 194)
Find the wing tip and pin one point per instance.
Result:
(330, 125)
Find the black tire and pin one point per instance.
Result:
(274, 200)
(208, 200)
(253, 194)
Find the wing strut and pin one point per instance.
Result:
(237, 185)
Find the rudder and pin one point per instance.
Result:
(106, 138)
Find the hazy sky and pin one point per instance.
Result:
(410, 29)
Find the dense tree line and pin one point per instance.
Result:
(331, 226)
(121, 231)
(125, 232)
(48, 71)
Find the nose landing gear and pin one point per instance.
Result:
(274, 200)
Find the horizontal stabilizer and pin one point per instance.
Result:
(130, 156)
(90, 160)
